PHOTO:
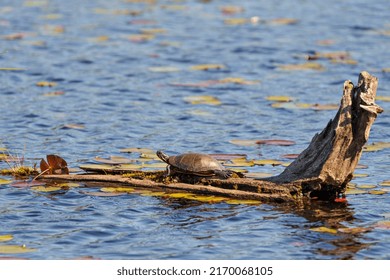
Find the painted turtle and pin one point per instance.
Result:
(196, 164)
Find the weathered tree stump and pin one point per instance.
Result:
(321, 171)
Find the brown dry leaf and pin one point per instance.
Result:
(290, 156)
(203, 99)
(46, 84)
(323, 107)
(206, 67)
(336, 56)
(325, 42)
(383, 224)
(153, 31)
(302, 66)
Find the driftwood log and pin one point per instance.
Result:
(321, 171)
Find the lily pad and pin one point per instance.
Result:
(303, 66)
(137, 150)
(117, 189)
(46, 84)
(46, 189)
(277, 142)
(243, 201)
(374, 147)
(355, 230)
(206, 67)
(385, 183)
(5, 181)
(272, 162)
(279, 98)
(243, 142)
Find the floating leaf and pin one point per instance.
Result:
(290, 156)
(73, 126)
(117, 189)
(240, 81)
(229, 10)
(141, 37)
(46, 84)
(15, 249)
(26, 184)
(366, 186)
(277, 142)
(46, 189)
(324, 230)
(378, 146)
(383, 98)
(336, 56)
(5, 238)
(240, 162)
(224, 157)
(279, 98)
(163, 69)
(180, 195)
(383, 224)
(243, 142)
(243, 201)
(302, 66)
(354, 191)
(355, 230)
(206, 67)
(54, 93)
(54, 165)
(4, 182)
(385, 183)
(156, 165)
(359, 175)
(137, 150)
(153, 31)
(104, 194)
(236, 21)
(283, 21)
(11, 69)
(377, 192)
(207, 198)
(203, 99)
(113, 160)
(272, 162)
(322, 107)
(151, 193)
(291, 106)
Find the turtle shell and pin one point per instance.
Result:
(193, 163)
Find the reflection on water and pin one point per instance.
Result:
(124, 73)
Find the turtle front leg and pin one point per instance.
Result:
(223, 174)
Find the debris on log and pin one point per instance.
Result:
(322, 171)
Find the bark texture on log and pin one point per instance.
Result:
(322, 170)
(332, 155)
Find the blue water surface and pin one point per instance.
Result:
(104, 67)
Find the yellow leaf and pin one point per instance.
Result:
(289, 105)
(366, 186)
(243, 142)
(377, 192)
(207, 198)
(240, 162)
(376, 146)
(15, 249)
(137, 150)
(354, 191)
(359, 175)
(141, 37)
(386, 70)
(5, 182)
(153, 31)
(355, 230)
(163, 69)
(35, 3)
(279, 98)
(151, 193)
(324, 230)
(258, 175)
(385, 183)
(236, 21)
(11, 69)
(4, 238)
(156, 165)
(203, 99)
(46, 84)
(302, 66)
(180, 195)
(320, 107)
(243, 201)
(267, 162)
(117, 189)
(383, 98)
(231, 9)
(46, 189)
(205, 67)
(283, 21)
(241, 81)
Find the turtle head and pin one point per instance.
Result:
(162, 156)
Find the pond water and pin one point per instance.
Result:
(123, 73)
